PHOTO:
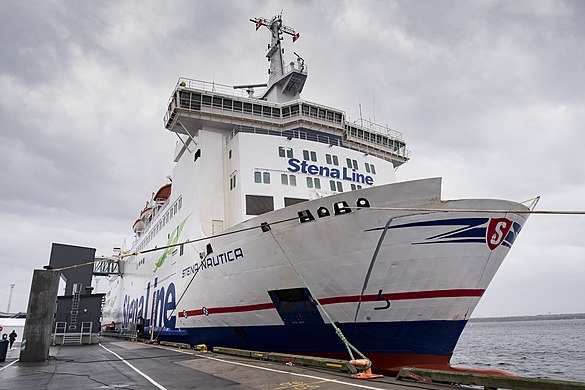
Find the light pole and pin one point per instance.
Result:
(10, 297)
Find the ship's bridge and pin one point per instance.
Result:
(195, 103)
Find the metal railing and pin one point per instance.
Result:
(295, 65)
(212, 87)
(299, 134)
(365, 124)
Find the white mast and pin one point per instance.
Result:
(285, 83)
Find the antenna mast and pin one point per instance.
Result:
(277, 71)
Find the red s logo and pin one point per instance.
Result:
(497, 231)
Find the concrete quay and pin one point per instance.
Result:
(115, 364)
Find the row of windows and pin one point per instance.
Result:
(397, 146)
(166, 217)
(291, 180)
(195, 101)
(331, 159)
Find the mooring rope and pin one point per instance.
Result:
(545, 212)
(416, 209)
(338, 331)
(125, 255)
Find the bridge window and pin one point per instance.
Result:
(184, 99)
(237, 106)
(227, 104)
(206, 101)
(217, 102)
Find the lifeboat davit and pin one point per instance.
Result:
(163, 193)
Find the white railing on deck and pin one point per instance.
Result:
(376, 128)
(211, 87)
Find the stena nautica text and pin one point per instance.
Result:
(284, 219)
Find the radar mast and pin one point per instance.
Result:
(285, 82)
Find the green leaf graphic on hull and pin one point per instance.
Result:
(110, 305)
(173, 239)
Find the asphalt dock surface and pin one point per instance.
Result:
(115, 364)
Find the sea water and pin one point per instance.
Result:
(553, 349)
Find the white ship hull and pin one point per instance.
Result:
(401, 284)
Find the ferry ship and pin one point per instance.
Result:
(284, 221)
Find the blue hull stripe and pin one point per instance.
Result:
(412, 337)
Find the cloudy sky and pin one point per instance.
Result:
(490, 95)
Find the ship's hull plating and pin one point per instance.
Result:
(401, 284)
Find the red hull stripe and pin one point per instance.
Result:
(402, 296)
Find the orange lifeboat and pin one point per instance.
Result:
(163, 193)
(146, 214)
(138, 226)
